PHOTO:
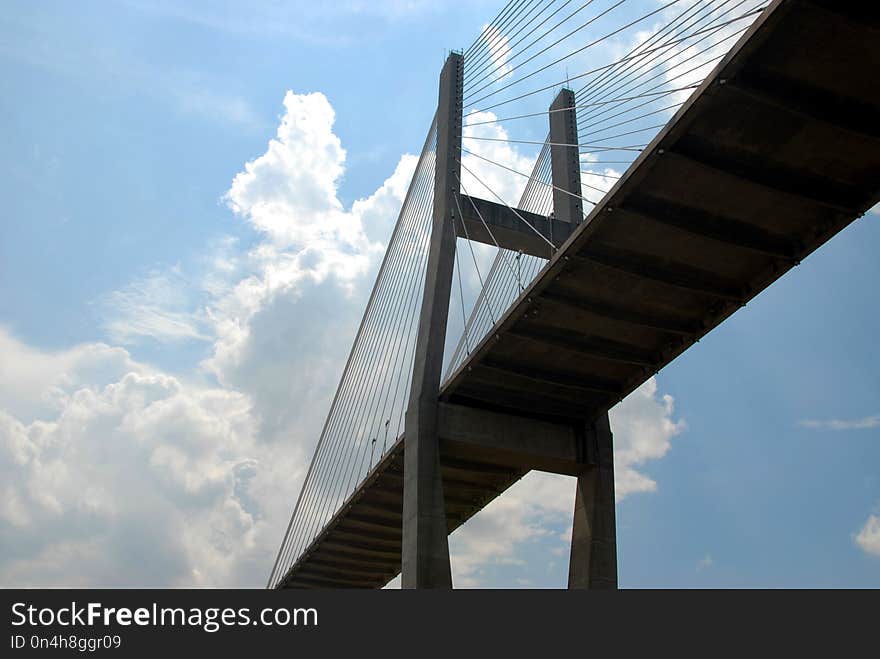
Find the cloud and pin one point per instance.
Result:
(498, 47)
(200, 98)
(157, 306)
(296, 175)
(868, 538)
(138, 478)
(290, 305)
(596, 179)
(481, 174)
(643, 427)
(283, 330)
(864, 423)
(35, 384)
(502, 532)
(288, 194)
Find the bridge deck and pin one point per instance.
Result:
(776, 152)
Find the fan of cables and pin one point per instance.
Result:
(630, 63)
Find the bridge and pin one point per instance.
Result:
(772, 149)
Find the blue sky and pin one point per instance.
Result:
(169, 345)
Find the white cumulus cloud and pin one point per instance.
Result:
(136, 478)
(868, 537)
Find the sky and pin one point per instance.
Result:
(197, 197)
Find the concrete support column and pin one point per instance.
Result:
(425, 552)
(593, 561)
(565, 160)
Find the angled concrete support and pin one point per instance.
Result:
(425, 548)
(593, 561)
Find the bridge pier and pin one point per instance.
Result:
(425, 544)
(593, 560)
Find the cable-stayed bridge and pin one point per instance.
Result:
(629, 174)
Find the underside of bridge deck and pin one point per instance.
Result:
(361, 546)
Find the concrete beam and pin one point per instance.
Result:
(509, 230)
(509, 440)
